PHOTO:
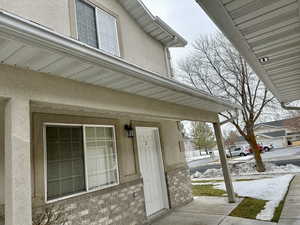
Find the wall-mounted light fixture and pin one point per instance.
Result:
(130, 131)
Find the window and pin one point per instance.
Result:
(97, 28)
(100, 157)
(79, 159)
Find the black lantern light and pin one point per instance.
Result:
(130, 131)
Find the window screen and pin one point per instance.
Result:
(86, 23)
(107, 32)
(101, 158)
(65, 161)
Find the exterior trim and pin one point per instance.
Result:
(73, 19)
(14, 27)
(85, 168)
(39, 120)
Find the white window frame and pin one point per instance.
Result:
(83, 126)
(98, 32)
(96, 9)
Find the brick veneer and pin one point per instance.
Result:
(121, 205)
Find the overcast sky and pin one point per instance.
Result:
(186, 17)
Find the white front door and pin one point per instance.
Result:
(151, 166)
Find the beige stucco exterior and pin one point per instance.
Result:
(40, 87)
(54, 95)
(1, 156)
(33, 98)
(136, 46)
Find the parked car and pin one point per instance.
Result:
(267, 148)
(237, 151)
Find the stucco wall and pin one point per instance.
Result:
(52, 14)
(1, 156)
(62, 96)
(136, 46)
(41, 87)
(171, 137)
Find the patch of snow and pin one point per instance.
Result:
(263, 189)
(198, 157)
(244, 158)
(248, 168)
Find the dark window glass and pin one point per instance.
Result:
(65, 161)
(86, 23)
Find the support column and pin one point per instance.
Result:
(223, 159)
(17, 163)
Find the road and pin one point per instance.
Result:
(277, 156)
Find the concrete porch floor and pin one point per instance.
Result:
(206, 211)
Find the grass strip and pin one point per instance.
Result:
(249, 208)
(207, 190)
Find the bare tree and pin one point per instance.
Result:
(51, 216)
(216, 67)
(230, 138)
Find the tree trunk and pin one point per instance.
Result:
(260, 167)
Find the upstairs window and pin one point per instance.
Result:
(97, 28)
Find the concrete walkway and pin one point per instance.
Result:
(291, 211)
(206, 211)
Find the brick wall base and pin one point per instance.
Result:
(180, 187)
(121, 205)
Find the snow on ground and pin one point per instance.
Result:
(248, 168)
(198, 157)
(244, 158)
(263, 189)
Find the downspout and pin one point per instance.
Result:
(168, 62)
(168, 56)
(289, 107)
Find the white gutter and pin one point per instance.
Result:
(14, 27)
(176, 37)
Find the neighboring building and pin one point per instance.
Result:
(86, 102)
(277, 133)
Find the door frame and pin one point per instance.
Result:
(162, 156)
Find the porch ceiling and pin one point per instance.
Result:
(28, 45)
(267, 29)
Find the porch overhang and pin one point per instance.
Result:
(267, 34)
(27, 45)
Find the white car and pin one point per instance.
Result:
(237, 151)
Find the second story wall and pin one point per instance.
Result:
(53, 14)
(136, 46)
